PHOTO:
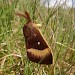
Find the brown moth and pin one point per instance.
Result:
(37, 48)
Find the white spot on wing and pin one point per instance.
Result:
(38, 43)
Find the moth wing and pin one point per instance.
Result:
(37, 48)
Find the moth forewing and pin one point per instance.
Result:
(40, 55)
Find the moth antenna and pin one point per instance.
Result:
(20, 14)
(27, 16)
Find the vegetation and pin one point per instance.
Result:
(58, 28)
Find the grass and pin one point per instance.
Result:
(58, 28)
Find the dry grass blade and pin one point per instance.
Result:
(64, 46)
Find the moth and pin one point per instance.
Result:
(36, 46)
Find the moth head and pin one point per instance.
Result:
(26, 15)
(29, 26)
(26, 28)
